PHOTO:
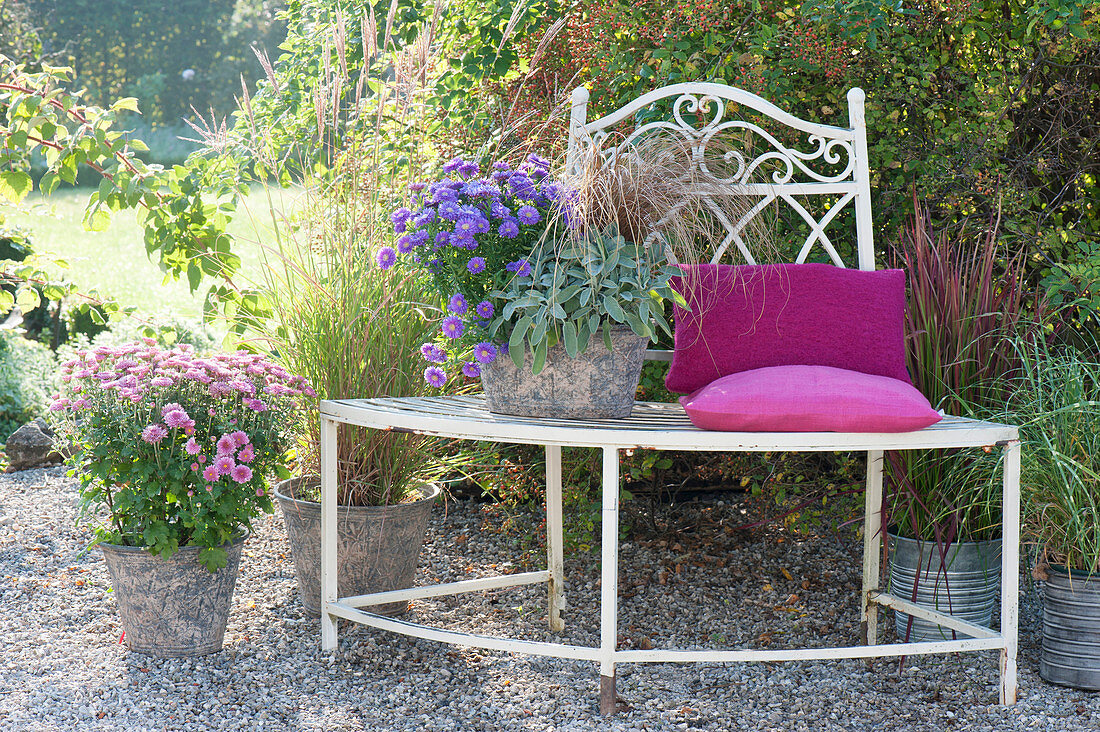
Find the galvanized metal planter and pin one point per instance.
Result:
(379, 545)
(965, 583)
(172, 607)
(597, 384)
(1071, 629)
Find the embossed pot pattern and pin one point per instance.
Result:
(597, 384)
(377, 546)
(172, 607)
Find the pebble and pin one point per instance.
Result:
(63, 667)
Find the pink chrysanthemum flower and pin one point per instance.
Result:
(209, 473)
(154, 433)
(246, 455)
(224, 465)
(192, 447)
(178, 418)
(226, 445)
(160, 381)
(240, 438)
(241, 473)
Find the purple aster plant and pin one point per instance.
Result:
(462, 229)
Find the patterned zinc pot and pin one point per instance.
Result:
(378, 547)
(597, 384)
(172, 607)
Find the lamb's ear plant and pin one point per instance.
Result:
(583, 289)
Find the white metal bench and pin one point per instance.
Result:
(697, 114)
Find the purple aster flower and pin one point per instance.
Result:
(469, 169)
(463, 240)
(471, 370)
(521, 267)
(401, 215)
(467, 225)
(435, 376)
(457, 304)
(387, 257)
(241, 473)
(521, 185)
(441, 239)
(443, 193)
(485, 309)
(499, 210)
(433, 353)
(192, 447)
(528, 215)
(481, 224)
(154, 433)
(453, 165)
(453, 327)
(476, 265)
(485, 352)
(449, 210)
(424, 217)
(223, 465)
(508, 229)
(415, 187)
(405, 244)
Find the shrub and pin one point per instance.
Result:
(27, 380)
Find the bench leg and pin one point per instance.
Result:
(872, 547)
(328, 532)
(609, 579)
(556, 585)
(1010, 570)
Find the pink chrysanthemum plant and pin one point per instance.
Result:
(174, 449)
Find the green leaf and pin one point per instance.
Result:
(127, 103)
(607, 334)
(519, 332)
(569, 338)
(97, 220)
(612, 307)
(539, 357)
(15, 185)
(27, 299)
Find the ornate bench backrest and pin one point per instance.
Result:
(788, 160)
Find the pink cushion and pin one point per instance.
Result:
(752, 316)
(808, 399)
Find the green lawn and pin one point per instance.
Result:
(114, 262)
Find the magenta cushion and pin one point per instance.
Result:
(752, 316)
(808, 399)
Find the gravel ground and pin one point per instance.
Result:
(696, 583)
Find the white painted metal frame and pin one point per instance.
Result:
(666, 426)
(662, 426)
